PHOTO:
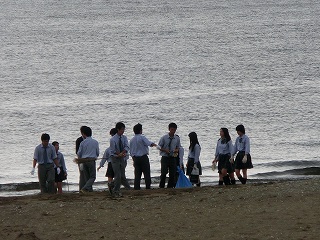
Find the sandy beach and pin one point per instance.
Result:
(270, 210)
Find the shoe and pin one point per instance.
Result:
(117, 195)
(110, 187)
(83, 191)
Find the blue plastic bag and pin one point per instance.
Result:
(183, 181)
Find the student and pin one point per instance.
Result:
(223, 156)
(89, 148)
(59, 177)
(106, 158)
(119, 149)
(243, 158)
(139, 150)
(45, 156)
(194, 158)
(169, 145)
(80, 165)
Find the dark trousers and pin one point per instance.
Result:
(89, 171)
(141, 165)
(168, 164)
(46, 175)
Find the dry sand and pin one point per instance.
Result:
(273, 210)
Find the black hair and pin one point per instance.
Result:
(193, 140)
(172, 125)
(45, 136)
(87, 131)
(137, 128)
(54, 143)
(240, 128)
(226, 134)
(120, 125)
(113, 131)
(82, 129)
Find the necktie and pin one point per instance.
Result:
(169, 146)
(45, 156)
(120, 144)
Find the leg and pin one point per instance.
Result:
(172, 172)
(50, 178)
(81, 176)
(164, 171)
(124, 180)
(90, 172)
(59, 186)
(137, 163)
(117, 175)
(42, 178)
(146, 172)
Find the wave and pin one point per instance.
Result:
(286, 164)
(307, 171)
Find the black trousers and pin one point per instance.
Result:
(168, 164)
(141, 165)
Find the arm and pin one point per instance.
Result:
(247, 146)
(197, 150)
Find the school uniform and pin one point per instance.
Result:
(194, 158)
(80, 165)
(223, 154)
(62, 165)
(107, 158)
(89, 148)
(168, 161)
(118, 143)
(45, 157)
(139, 150)
(242, 147)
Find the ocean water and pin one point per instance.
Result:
(202, 64)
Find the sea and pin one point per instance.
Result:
(202, 64)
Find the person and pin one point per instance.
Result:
(59, 177)
(80, 165)
(223, 157)
(139, 150)
(119, 148)
(169, 145)
(194, 159)
(45, 156)
(106, 158)
(88, 149)
(243, 159)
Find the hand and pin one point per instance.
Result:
(244, 159)
(195, 166)
(158, 147)
(58, 170)
(32, 171)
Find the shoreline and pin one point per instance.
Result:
(285, 209)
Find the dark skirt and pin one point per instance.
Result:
(190, 166)
(238, 162)
(59, 177)
(224, 163)
(110, 172)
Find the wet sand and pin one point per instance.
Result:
(272, 210)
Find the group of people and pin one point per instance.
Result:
(51, 165)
